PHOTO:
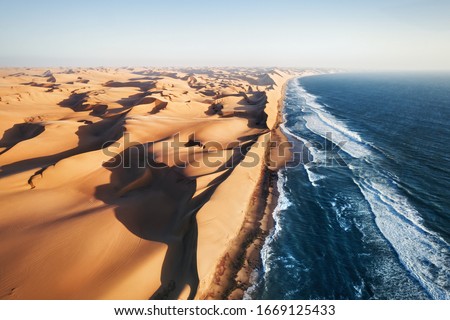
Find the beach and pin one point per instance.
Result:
(136, 183)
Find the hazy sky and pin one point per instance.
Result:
(378, 34)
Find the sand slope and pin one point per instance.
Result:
(127, 183)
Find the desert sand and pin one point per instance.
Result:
(133, 183)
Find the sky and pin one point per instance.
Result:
(350, 34)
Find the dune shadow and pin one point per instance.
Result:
(142, 85)
(91, 136)
(153, 202)
(76, 102)
(157, 203)
(19, 132)
(251, 107)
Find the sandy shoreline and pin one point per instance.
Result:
(233, 274)
(135, 183)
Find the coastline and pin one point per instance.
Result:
(234, 271)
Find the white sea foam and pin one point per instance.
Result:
(358, 289)
(313, 177)
(283, 204)
(254, 277)
(318, 156)
(342, 212)
(322, 123)
(266, 250)
(422, 252)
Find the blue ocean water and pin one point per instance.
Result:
(368, 217)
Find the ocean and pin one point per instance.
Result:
(367, 216)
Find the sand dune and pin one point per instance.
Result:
(129, 183)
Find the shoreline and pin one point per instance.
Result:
(234, 272)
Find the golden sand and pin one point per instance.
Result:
(128, 183)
